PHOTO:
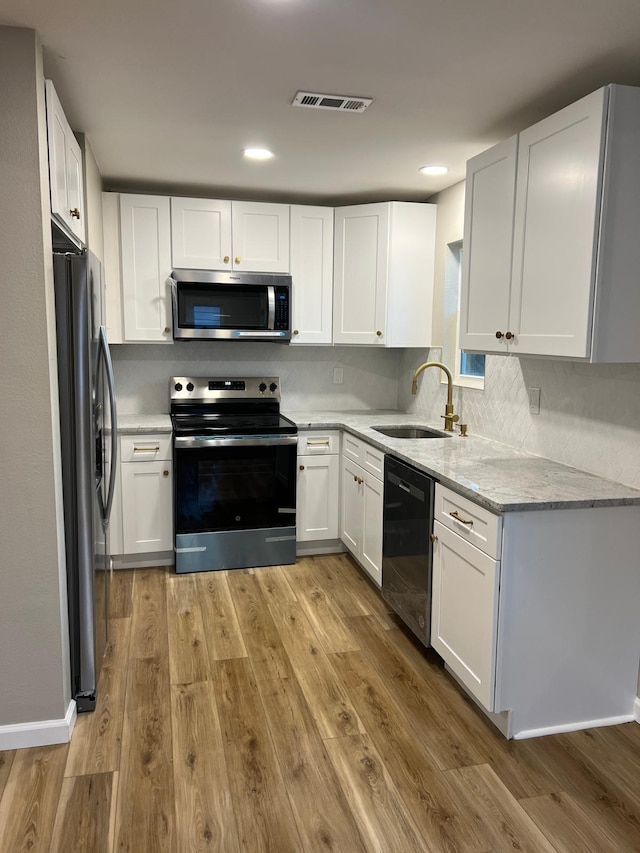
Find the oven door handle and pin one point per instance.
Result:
(235, 441)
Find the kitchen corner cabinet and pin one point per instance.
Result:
(311, 274)
(362, 504)
(527, 619)
(383, 274)
(318, 486)
(572, 185)
(65, 168)
(216, 234)
(145, 246)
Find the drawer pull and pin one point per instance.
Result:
(455, 515)
(154, 449)
(312, 443)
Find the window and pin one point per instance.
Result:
(468, 367)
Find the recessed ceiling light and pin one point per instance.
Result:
(257, 153)
(433, 170)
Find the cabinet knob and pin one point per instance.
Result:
(360, 481)
(509, 336)
(166, 330)
(226, 259)
(165, 473)
(296, 332)
(75, 213)
(355, 479)
(379, 333)
(238, 260)
(433, 537)
(499, 335)
(302, 467)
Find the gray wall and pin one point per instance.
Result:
(33, 633)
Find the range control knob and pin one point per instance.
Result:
(189, 386)
(262, 387)
(178, 386)
(272, 387)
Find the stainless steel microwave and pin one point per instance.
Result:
(231, 306)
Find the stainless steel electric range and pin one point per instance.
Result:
(234, 474)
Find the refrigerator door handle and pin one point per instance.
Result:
(104, 348)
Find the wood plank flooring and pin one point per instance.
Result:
(285, 710)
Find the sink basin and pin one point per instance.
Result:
(411, 432)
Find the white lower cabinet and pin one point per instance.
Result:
(362, 504)
(318, 486)
(464, 623)
(533, 616)
(142, 517)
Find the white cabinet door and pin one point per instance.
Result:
(65, 168)
(145, 235)
(371, 550)
(490, 191)
(260, 236)
(201, 233)
(464, 612)
(351, 496)
(147, 508)
(557, 217)
(311, 274)
(360, 274)
(317, 502)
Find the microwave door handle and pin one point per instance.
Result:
(271, 296)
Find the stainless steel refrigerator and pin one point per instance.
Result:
(88, 420)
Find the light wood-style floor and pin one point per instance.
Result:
(283, 709)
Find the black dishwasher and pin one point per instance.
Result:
(406, 545)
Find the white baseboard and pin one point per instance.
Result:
(143, 561)
(574, 727)
(636, 709)
(39, 733)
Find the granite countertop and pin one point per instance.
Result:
(497, 476)
(133, 424)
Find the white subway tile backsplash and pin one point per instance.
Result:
(370, 375)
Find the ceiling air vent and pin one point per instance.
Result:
(344, 103)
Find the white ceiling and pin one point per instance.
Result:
(169, 91)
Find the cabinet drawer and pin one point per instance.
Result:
(369, 457)
(472, 522)
(150, 447)
(318, 443)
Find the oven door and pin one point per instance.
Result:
(235, 501)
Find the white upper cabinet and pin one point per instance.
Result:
(201, 234)
(216, 234)
(490, 193)
(574, 256)
(383, 274)
(311, 274)
(65, 168)
(145, 237)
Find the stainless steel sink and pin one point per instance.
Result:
(411, 432)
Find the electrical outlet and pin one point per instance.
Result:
(338, 375)
(534, 401)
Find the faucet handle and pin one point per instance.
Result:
(453, 418)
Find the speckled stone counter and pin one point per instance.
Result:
(133, 424)
(494, 475)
